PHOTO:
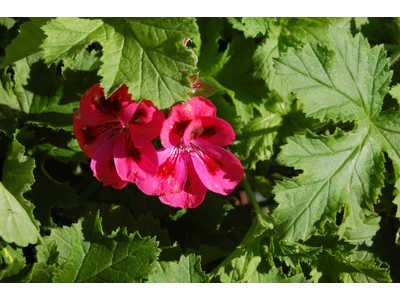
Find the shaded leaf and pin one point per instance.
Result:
(27, 43)
(87, 255)
(242, 263)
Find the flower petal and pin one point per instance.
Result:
(193, 193)
(146, 123)
(97, 110)
(133, 164)
(171, 174)
(180, 117)
(212, 130)
(91, 137)
(218, 169)
(103, 165)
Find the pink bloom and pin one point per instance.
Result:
(193, 159)
(116, 133)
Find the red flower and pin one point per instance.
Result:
(193, 159)
(116, 133)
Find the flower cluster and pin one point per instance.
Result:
(116, 133)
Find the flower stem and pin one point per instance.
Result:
(249, 192)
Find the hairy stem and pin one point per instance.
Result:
(249, 192)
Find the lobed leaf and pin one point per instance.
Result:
(146, 54)
(351, 77)
(87, 255)
(345, 168)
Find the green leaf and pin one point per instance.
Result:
(292, 254)
(352, 77)
(342, 161)
(83, 61)
(7, 22)
(35, 95)
(306, 29)
(87, 255)
(48, 193)
(40, 273)
(264, 54)
(187, 270)
(395, 92)
(147, 226)
(288, 32)
(251, 26)
(242, 263)
(255, 141)
(27, 43)
(58, 144)
(141, 51)
(38, 95)
(18, 171)
(9, 254)
(237, 76)
(366, 271)
(116, 217)
(275, 275)
(69, 36)
(328, 269)
(147, 54)
(338, 263)
(16, 225)
(352, 163)
(14, 272)
(210, 254)
(211, 60)
(18, 222)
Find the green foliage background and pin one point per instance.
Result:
(314, 103)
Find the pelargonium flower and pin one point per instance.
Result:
(116, 134)
(193, 160)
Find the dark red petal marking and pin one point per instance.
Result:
(131, 150)
(140, 114)
(111, 106)
(91, 133)
(175, 125)
(213, 165)
(179, 127)
(145, 113)
(203, 133)
(171, 174)
(165, 169)
(218, 169)
(193, 193)
(146, 123)
(134, 164)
